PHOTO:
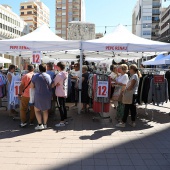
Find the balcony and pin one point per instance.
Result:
(156, 5)
(156, 13)
(155, 20)
(157, 27)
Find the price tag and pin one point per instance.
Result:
(36, 57)
(102, 89)
(159, 79)
(16, 88)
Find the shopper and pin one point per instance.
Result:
(61, 83)
(131, 85)
(24, 96)
(113, 76)
(43, 94)
(10, 75)
(50, 70)
(84, 92)
(75, 75)
(120, 83)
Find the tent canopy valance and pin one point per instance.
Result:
(39, 40)
(123, 40)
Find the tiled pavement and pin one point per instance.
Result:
(88, 145)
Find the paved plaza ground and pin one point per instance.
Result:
(88, 145)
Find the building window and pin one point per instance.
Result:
(147, 25)
(29, 6)
(22, 13)
(146, 32)
(155, 18)
(22, 7)
(29, 12)
(147, 18)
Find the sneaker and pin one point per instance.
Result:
(45, 126)
(39, 127)
(133, 124)
(120, 125)
(60, 125)
(23, 125)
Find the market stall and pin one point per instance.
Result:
(159, 60)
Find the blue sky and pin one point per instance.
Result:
(101, 12)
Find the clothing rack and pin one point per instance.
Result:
(154, 72)
(101, 101)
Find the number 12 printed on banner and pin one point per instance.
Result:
(102, 89)
(36, 58)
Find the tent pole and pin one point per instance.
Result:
(80, 81)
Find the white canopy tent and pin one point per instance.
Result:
(122, 40)
(4, 60)
(159, 60)
(42, 39)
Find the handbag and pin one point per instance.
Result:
(116, 93)
(32, 94)
(127, 97)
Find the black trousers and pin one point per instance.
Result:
(62, 108)
(131, 108)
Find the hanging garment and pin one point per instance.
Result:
(90, 85)
(97, 101)
(146, 88)
(13, 101)
(141, 80)
(158, 93)
(3, 82)
(167, 76)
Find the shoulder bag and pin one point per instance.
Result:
(127, 97)
(48, 85)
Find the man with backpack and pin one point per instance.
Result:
(24, 96)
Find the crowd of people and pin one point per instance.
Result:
(39, 92)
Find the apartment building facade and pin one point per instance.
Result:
(67, 11)
(11, 25)
(145, 18)
(35, 13)
(164, 25)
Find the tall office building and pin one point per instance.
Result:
(67, 11)
(145, 18)
(35, 13)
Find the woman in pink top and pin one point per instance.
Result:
(61, 83)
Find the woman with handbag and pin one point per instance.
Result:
(42, 98)
(130, 96)
(120, 85)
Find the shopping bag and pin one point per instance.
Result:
(32, 94)
(117, 92)
(127, 97)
